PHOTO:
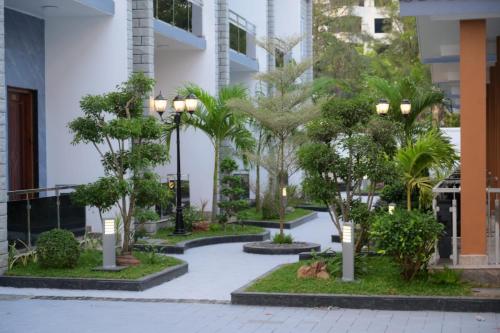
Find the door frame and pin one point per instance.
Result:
(34, 101)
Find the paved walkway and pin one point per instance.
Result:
(214, 271)
(52, 316)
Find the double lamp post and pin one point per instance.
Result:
(180, 105)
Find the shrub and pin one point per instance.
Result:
(270, 207)
(408, 236)
(214, 227)
(446, 276)
(190, 215)
(58, 248)
(282, 239)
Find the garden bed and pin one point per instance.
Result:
(292, 220)
(163, 242)
(380, 288)
(280, 249)
(83, 276)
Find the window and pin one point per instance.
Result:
(178, 13)
(382, 25)
(237, 39)
(279, 57)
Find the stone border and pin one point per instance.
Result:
(140, 284)
(181, 247)
(287, 225)
(313, 208)
(378, 302)
(255, 248)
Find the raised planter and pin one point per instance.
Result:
(151, 227)
(141, 284)
(287, 225)
(313, 207)
(389, 302)
(277, 249)
(181, 247)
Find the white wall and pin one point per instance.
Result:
(84, 55)
(174, 69)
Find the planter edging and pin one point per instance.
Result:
(287, 225)
(375, 302)
(181, 247)
(255, 249)
(140, 284)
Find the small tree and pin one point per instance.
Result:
(284, 110)
(128, 144)
(232, 190)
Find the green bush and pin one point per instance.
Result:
(214, 227)
(190, 215)
(270, 207)
(408, 236)
(58, 248)
(282, 239)
(446, 276)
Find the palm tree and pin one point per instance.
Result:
(421, 97)
(220, 123)
(431, 152)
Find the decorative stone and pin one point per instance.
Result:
(273, 248)
(315, 270)
(127, 260)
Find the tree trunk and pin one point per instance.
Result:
(408, 198)
(282, 184)
(258, 203)
(213, 216)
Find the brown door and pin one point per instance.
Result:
(23, 168)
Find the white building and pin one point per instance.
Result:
(57, 51)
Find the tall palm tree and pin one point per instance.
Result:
(431, 152)
(220, 124)
(422, 98)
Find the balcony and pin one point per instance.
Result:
(178, 24)
(242, 53)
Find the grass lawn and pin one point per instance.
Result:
(382, 278)
(252, 214)
(90, 259)
(231, 230)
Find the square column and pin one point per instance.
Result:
(473, 142)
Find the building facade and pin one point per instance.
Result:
(54, 52)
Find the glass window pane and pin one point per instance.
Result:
(233, 36)
(242, 41)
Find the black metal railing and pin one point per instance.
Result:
(29, 213)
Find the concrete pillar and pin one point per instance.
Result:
(222, 40)
(271, 61)
(308, 38)
(473, 141)
(3, 149)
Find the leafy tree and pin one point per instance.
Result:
(284, 110)
(431, 152)
(347, 145)
(128, 144)
(232, 190)
(221, 124)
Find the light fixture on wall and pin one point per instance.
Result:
(382, 107)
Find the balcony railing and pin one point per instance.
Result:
(29, 213)
(183, 14)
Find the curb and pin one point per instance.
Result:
(181, 247)
(141, 284)
(287, 225)
(255, 248)
(378, 302)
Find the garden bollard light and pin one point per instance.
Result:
(108, 244)
(348, 251)
(391, 208)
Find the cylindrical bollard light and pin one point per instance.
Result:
(348, 251)
(109, 244)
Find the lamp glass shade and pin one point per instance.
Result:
(405, 107)
(346, 233)
(191, 103)
(391, 208)
(109, 226)
(283, 192)
(160, 104)
(179, 104)
(382, 107)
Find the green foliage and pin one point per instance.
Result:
(452, 119)
(190, 215)
(128, 143)
(409, 237)
(280, 238)
(143, 215)
(58, 248)
(334, 266)
(270, 206)
(25, 256)
(215, 227)
(217, 120)
(233, 193)
(431, 152)
(446, 276)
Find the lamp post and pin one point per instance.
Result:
(180, 104)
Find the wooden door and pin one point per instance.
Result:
(22, 139)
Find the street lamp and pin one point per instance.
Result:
(382, 107)
(405, 107)
(180, 104)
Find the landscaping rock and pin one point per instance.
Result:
(315, 270)
(127, 260)
(201, 226)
